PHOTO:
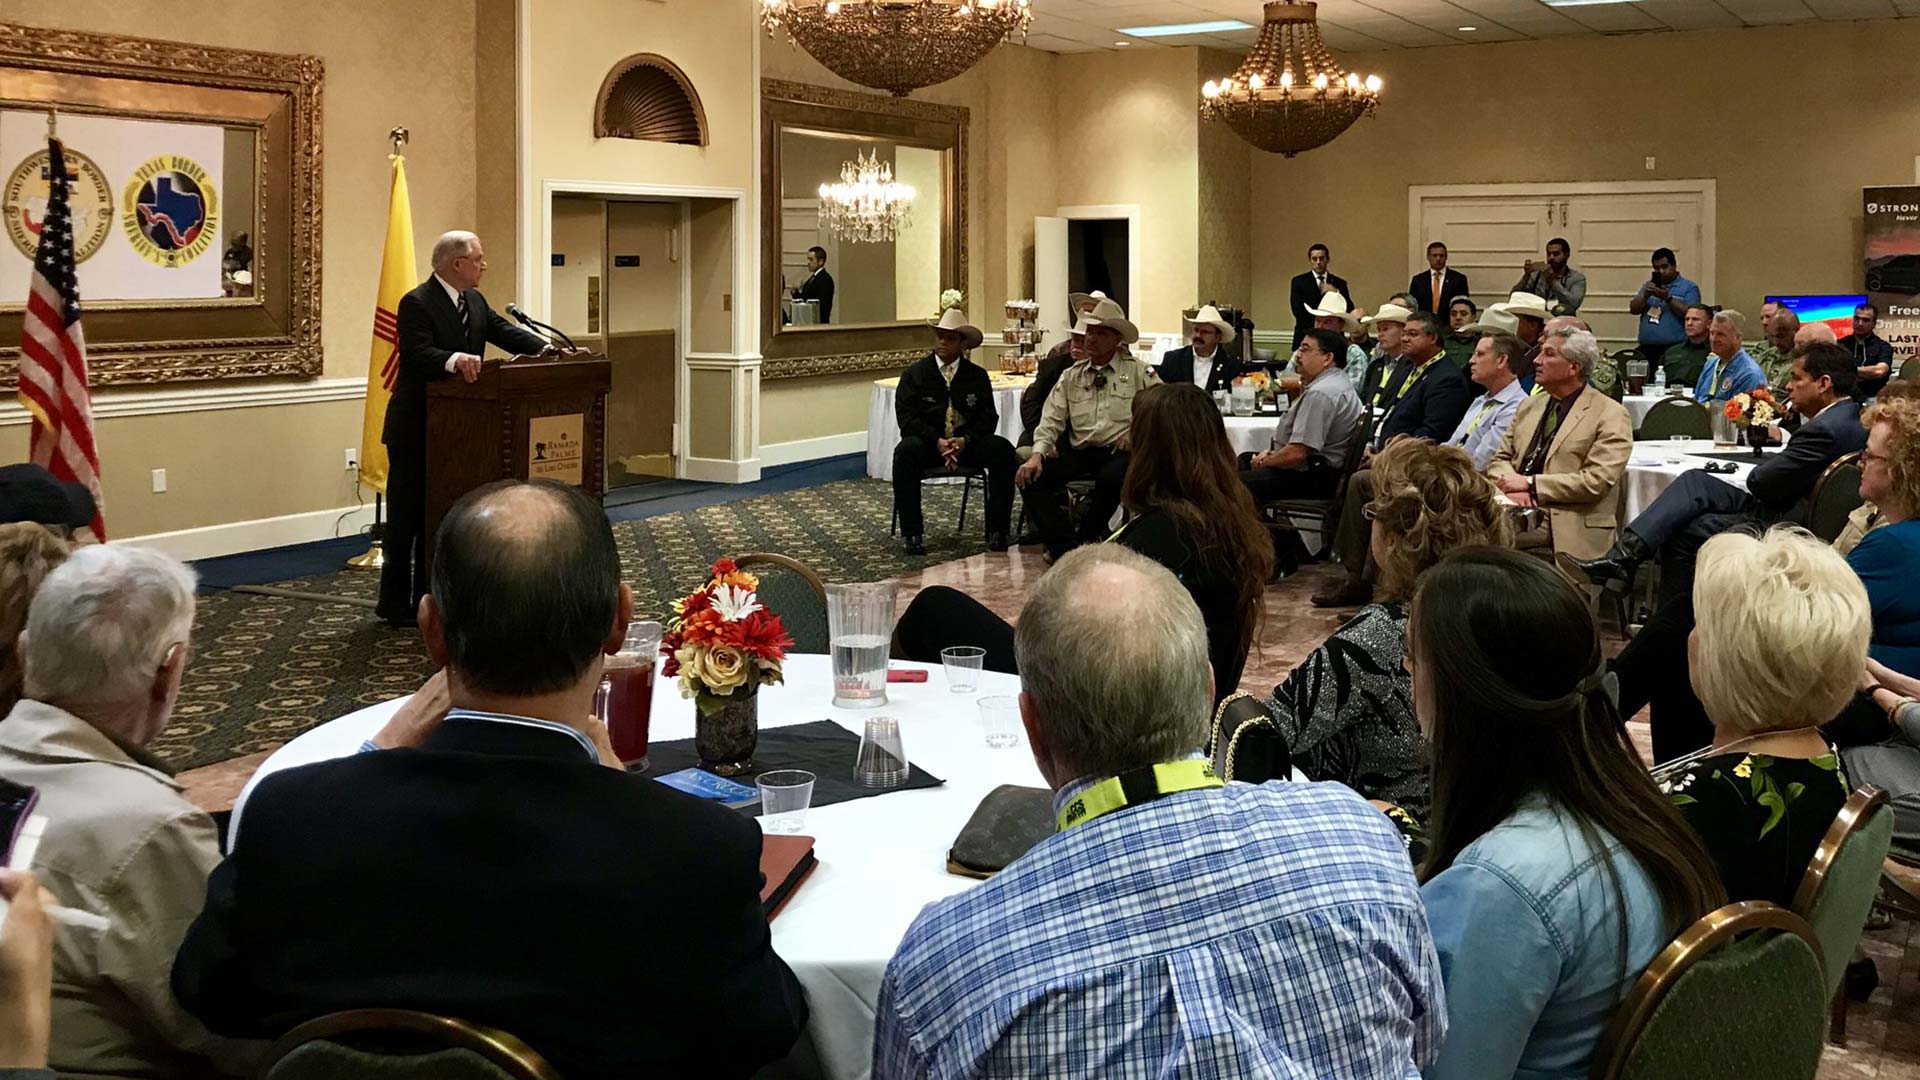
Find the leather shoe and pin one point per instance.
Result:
(1349, 593)
(1612, 571)
(916, 545)
(997, 541)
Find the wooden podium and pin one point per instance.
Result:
(528, 418)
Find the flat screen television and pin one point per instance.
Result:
(1836, 309)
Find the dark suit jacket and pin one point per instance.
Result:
(921, 402)
(1783, 483)
(1421, 289)
(1429, 409)
(499, 875)
(1033, 400)
(429, 333)
(1177, 366)
(1305, 293)
(818, 287)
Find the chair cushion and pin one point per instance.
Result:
(1753, 1008)
(323, 1060)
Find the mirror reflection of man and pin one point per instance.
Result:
(441, 329)
(819, 283)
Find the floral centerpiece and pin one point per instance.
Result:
(1757, 412)
(950, 298)
(723, 645)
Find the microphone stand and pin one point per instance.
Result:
(550, 332)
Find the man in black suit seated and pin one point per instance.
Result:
(506, 871)
(1307, 288)
(1435, 289)
(819, 283)
(1202, 362)
(947, 418)
(1698, 506)
(1423, 397)
(442, 328)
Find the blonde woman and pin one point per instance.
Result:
(1779, 640)
(28, 553)
(1347, 711)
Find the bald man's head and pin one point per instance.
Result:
(1810, 333)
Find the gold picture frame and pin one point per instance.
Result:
(275, 332)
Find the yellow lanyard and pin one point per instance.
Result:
(1484, 410)
(1408, 386)
(1719, 369)
(1137, 786)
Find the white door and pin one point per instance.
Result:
(1050, 276)
(1488, 238)
(1614, 237)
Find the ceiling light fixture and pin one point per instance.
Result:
(1289, 95)
(867, 205)
(1216, 26)
(897, 45)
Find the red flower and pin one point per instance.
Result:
(762, 636)
(699, 600)
(723, 566)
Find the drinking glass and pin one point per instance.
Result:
(785, 795)
(1000, 718)
(1224, 401)
(883, 758)
(1246, 400)
(963, 664)
(625, 701)
(1724, 433)
(859, 625)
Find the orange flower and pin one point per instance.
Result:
(1760, 394)
(1733, 410)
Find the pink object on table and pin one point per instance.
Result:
(906, 675)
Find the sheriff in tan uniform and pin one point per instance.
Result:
(1084, 430)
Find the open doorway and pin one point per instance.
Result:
(1097, 258)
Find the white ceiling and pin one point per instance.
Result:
(1361, 25)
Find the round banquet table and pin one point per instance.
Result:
(883, 423)
(881, 859)
(1658, 463)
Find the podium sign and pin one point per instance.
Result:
(554, 446)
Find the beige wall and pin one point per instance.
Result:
(792, 409)
(1790, 122)
(374, 80)
(1225, 252)
(579, 227)
(710, 246)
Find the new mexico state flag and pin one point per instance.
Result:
(397, 275)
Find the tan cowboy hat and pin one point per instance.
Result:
(953, 319)
(1078, 300)
(1211, 316)
(1388, 313)
(1334, 306)
(1526, 303)
(1111, 314)
(1495, 320)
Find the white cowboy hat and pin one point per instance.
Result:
(1078, 300)
(953, 319)
(1388, 313)
(1526, 303)
(1334, 306)
(1495, 320)
(1110, 314)
(1211, 316)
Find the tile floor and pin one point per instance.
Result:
(1883, 1035)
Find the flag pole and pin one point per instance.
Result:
(375, 557)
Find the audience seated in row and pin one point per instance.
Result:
(29, 552)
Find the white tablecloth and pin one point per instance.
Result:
(1638, 404)
(881, 859)
(883, 424)
(1656, 464)
(1250, 433)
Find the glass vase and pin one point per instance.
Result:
(726, 728)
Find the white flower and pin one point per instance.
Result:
(734, 603)
(243, 277)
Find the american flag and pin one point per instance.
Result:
(53, 354)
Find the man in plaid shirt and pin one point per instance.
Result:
(1173, 926)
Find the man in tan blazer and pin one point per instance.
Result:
(1566, 452)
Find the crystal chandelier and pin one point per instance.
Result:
(866, 206)
(1289, 94)
(897, 45)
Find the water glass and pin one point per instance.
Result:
(1000, 719)
(1223, 401)
(963, 664)
(785, 795)
(859, 626)
(1246, 400)
(883, 758)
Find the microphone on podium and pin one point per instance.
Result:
(532, 323)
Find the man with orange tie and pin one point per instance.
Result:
(1434, 290)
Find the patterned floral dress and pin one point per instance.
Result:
(1760, 816)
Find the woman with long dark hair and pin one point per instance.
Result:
(1190, 513)
(1555, 870)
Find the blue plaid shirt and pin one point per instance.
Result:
(1271, 931)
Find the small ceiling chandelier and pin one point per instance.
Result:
(866, 206)
(897, 45)
(1290, 95)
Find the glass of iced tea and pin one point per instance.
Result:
(626, 693)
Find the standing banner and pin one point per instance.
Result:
(1893, 265)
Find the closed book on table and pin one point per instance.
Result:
(1008, 822)
(785, 862)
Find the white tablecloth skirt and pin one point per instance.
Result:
(1655, 465)
(1250, 434)
(883, 424)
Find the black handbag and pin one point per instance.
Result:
(1246, 744)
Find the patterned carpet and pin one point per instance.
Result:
(268, 668)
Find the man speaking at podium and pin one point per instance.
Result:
(443, 326)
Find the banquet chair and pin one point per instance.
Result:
(1285, 515)
(400, 1044)
(792, 590)
(1737, 995)
(1836, 894)
(966, 473)
(1835, 495)
(1910, 371)
(1675, 416)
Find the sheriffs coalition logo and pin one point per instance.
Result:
(170, 211)
(25, 202)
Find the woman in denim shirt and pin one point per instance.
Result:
(1556, 869)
